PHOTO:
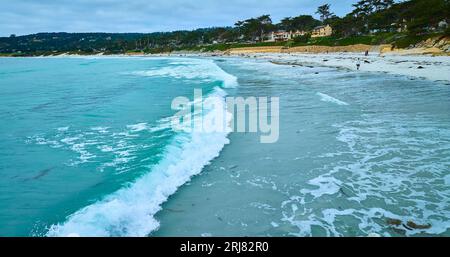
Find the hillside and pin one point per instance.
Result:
(401, 25)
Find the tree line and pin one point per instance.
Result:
(413, 18)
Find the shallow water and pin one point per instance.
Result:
(357, 152)
(86, 144)
(86, 150)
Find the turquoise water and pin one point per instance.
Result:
(75, 130)
(86, 149)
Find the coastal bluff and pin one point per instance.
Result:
(431, 46)
(309, 49)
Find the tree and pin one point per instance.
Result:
(286, 24)
(363, 9)
(324, 11)
(239, 24)
(239, 27)
(302, 22)
(305, 22)
(379, 5)
(383, 20)
(255, 28)
(265, 25)
(421, 15)
(344, 27)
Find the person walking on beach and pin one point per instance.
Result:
(358, 64)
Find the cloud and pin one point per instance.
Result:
(32, 16)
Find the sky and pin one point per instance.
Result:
(23, 17)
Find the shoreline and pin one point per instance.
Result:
(434, 68)
(405, 63)
(299, 186)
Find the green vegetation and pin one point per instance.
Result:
(408, 39)
(302, 39)
(400, 40)
(372, 39)
(371, 22)
(447, 32)
(302, 22)
(226, 46)
(334, 41)
(324, 12)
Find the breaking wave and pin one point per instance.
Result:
(130, 211)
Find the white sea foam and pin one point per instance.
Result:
(327, 98)
(205, 70)
(63, 129)
(263, 206)
(326, 184)
(374, 144)
(43, 141)
(106, 148)
(130, 211)
(69, 140)
(100, 129)
(138, 127)
(447, 180)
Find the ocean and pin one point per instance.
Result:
(87, 150)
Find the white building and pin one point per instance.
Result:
(443, 24)
(282, 36)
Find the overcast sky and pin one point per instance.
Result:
(31, 16)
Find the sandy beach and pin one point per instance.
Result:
(435, 68)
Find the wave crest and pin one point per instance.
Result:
(130, 211)
(205, 70)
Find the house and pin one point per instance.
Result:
(443, 24)
(282, 36)
(322, 31)
(298, 33)
(399, 27)
(277, 36)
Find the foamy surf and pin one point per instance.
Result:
(130, 211)
(330, 99)
(202, 69)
